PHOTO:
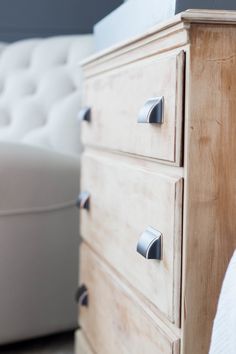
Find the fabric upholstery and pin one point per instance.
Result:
(40, 91)
(223, 339)
(34, 179)
(38, 242)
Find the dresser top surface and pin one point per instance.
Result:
(186, 17)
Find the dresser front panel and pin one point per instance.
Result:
(117, 97)
(113, 321)
(127, 196)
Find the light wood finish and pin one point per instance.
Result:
(210, 168)
(208, 16)
(208, 41)
(126, 198)
(81, 344)
(172, 33)
(114, 119)
(113, 321)
(168, 39)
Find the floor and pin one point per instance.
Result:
(57, 344)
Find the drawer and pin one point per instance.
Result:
(117, 97)
(113, 321)
(127, 196)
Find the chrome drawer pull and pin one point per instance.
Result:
(152, 111)
(85, 114)
(150, 244)
(81, 295)
(83, 200)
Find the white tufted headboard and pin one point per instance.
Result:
(40, 91)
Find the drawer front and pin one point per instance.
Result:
(113, 321)
(127, 196)
(117, 97)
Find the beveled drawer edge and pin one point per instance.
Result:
(176, 158)
(172, 25)
(180, 108)
(165, 327)
(147, 164)
(177, 22)
(156, 44)
(164, 164)
(177, 246)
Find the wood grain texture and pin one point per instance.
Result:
(81, 344)
(210, 178)
(127, 196)
(113, 320)
(150, 44)
(117, 97)
(166, 35)
(209, 16)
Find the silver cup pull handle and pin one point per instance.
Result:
(83, 200)
(81, 295)
(84, 114)
(150, 244)
(152, 111)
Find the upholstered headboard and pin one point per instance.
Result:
(40, 91)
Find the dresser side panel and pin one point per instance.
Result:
(210, 178)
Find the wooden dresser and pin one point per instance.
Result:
(158, 186)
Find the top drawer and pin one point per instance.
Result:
(116, 98)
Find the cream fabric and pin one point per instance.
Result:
(40, 91)
(224, 328)
(38, 241)
(34, 180)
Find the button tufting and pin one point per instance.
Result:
(37, 91)
(44, 121)
(2, 84)
(5, 118)
(63, 61)
(32, 88)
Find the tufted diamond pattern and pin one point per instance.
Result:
(40, 91)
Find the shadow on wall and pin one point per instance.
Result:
(42, 18)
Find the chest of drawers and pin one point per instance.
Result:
(158, 187)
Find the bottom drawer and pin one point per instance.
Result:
(113, 321)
